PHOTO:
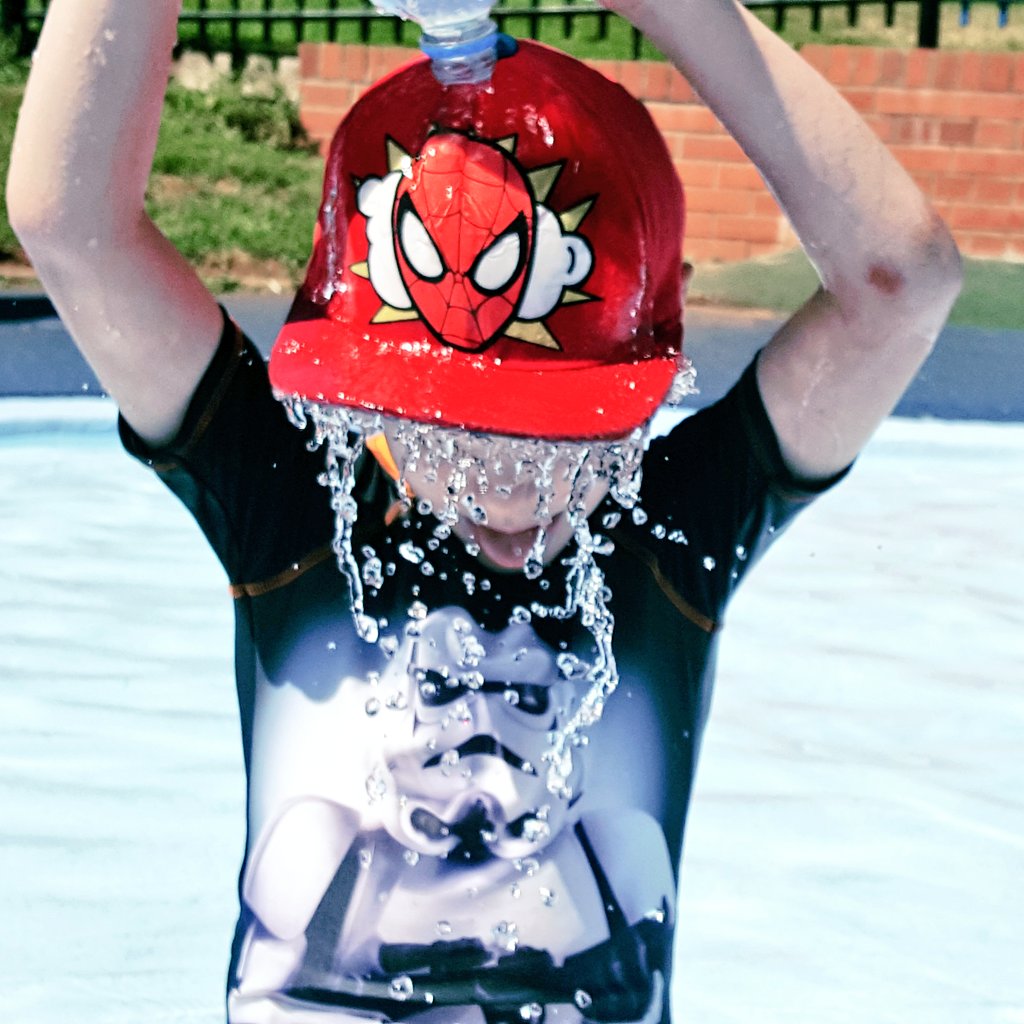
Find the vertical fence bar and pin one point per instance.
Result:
(890, 13)
(567, 22)
(637, 42)
(236, 43)
(204, 42)
(928, 24)
(334, 24)
(268, 37)
(780, 17)
(534, 19)
(852, 11)
(815, 17)
(602, 24)
(300, 21)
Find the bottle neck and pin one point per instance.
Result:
(462, 54)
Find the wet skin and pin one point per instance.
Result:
(509, 501)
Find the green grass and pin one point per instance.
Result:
(235, 175)
(991, 295)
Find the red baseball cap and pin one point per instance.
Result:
(503, 258)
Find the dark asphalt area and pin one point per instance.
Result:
(973, 373)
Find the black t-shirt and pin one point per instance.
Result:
(405, 857)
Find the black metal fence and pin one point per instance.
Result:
(278, 26)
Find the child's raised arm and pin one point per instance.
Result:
(79, 168)
(889, 268)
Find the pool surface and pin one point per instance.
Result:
(856, 845)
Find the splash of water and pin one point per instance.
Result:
(469, 465)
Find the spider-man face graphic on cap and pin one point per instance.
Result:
(459, 238)
(463, 228)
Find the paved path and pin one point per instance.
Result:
(973, 374)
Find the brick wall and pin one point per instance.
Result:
(955, 120)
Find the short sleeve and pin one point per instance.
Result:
(250, 477)
(716, 493)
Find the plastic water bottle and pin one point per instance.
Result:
(458, 36)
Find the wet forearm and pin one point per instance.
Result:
(89, 122)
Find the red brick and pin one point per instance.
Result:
(382, 60)
(309, 60)
(862, 100)
(712, 147)
(683, 117)
(765, 205)
(989, 104)
(755, 249)
(1000, 219)
(331, 62)
(866, 66)
(922, 158)
(719, 200)
(997, 72)
(701, 225)
(679, 89)
(674, 143)
(985, 246)
(607, 68)
(928, 102)
(1018, 72)
(749, 229)
(996, 163)
(697, 173)
(658, 80)
(632, 76)
(320, 124)
(332, 96)
(920, 68)
(995, 191)
(839, 69)
(817, 56)
(893, 70)
(740, 176)
(997, 134)
(947, 71)
(971, 62)
(957, 133)
(952, 187)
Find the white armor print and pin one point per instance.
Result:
(449, 851)
(462, 763)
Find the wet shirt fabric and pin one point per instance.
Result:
(405, 859)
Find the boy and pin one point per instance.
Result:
(467, 783)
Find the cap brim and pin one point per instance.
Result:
(322, 361)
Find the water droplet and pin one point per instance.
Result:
(506, 936)
(639, 516)
(678, 537)
(372, 706)
(610, 520)
(411, 857)
(443, 928)
(511, 697)
(535, 830)
(520, 614)
(449, 759)
(659, 531)
(376, 785)
(709, 563)
(417, 611)
(547, 897)
(741, 552)
(529, 866)
(515, 891)
(365, 858)
(657, 915)
(410, 552)
(401, 988)
(532, 1013)
(582, 999)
